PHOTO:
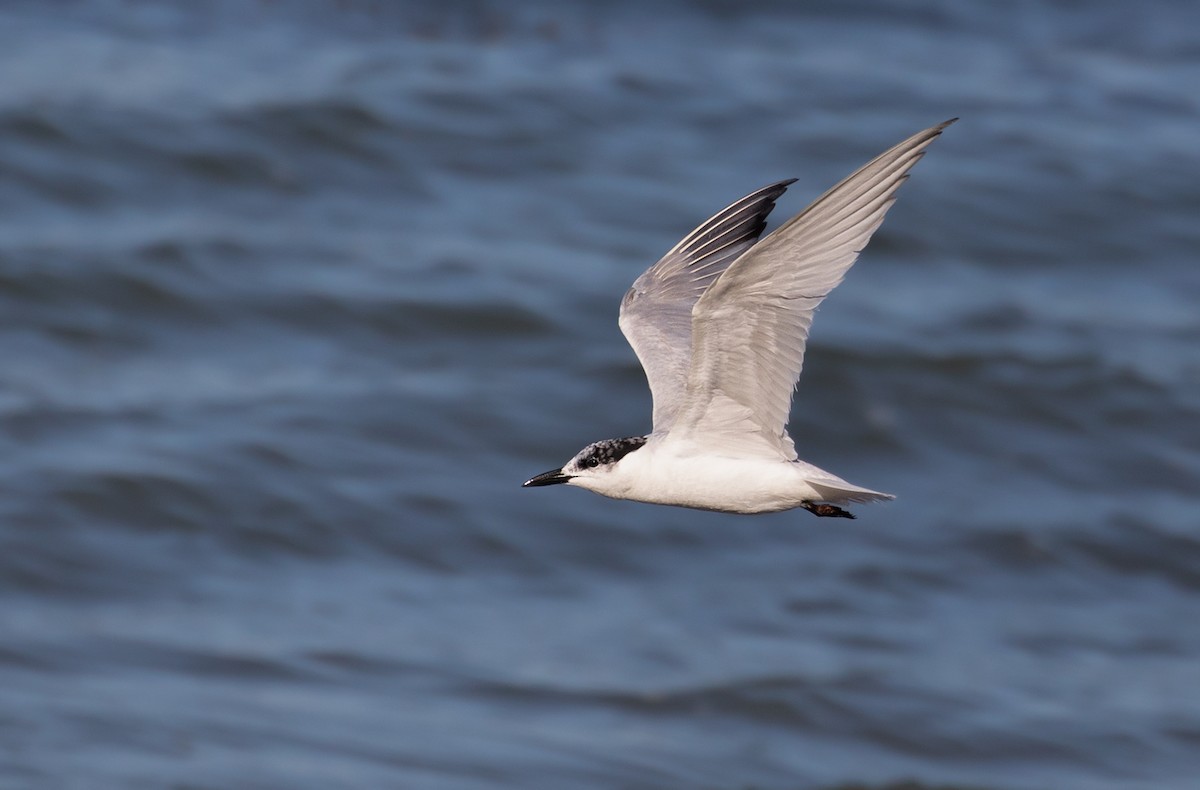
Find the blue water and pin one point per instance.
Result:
(293, 296)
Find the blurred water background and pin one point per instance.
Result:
(294, 295)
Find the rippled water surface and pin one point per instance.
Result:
(293, 296)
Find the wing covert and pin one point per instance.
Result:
(750, 327)
(656, 313)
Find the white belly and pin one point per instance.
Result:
(734, 485)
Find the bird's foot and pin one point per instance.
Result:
(826, 510)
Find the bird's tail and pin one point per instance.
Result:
(839, 491)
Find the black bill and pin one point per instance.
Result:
(551, 478)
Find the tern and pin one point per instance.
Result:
(720, 325)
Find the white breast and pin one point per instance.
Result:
(668, 474)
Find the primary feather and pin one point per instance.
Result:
(750, 328)
(656, 313)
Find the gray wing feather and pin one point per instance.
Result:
(750, 327)
(656, 313)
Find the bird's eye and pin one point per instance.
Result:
(592, 462)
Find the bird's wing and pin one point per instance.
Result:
(749, 329)
(656, 313)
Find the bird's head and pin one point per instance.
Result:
(592, 467)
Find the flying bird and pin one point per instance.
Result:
(720, 325)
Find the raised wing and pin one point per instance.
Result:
(656, 313)
(750, 328)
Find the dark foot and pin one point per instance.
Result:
(826, 510)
